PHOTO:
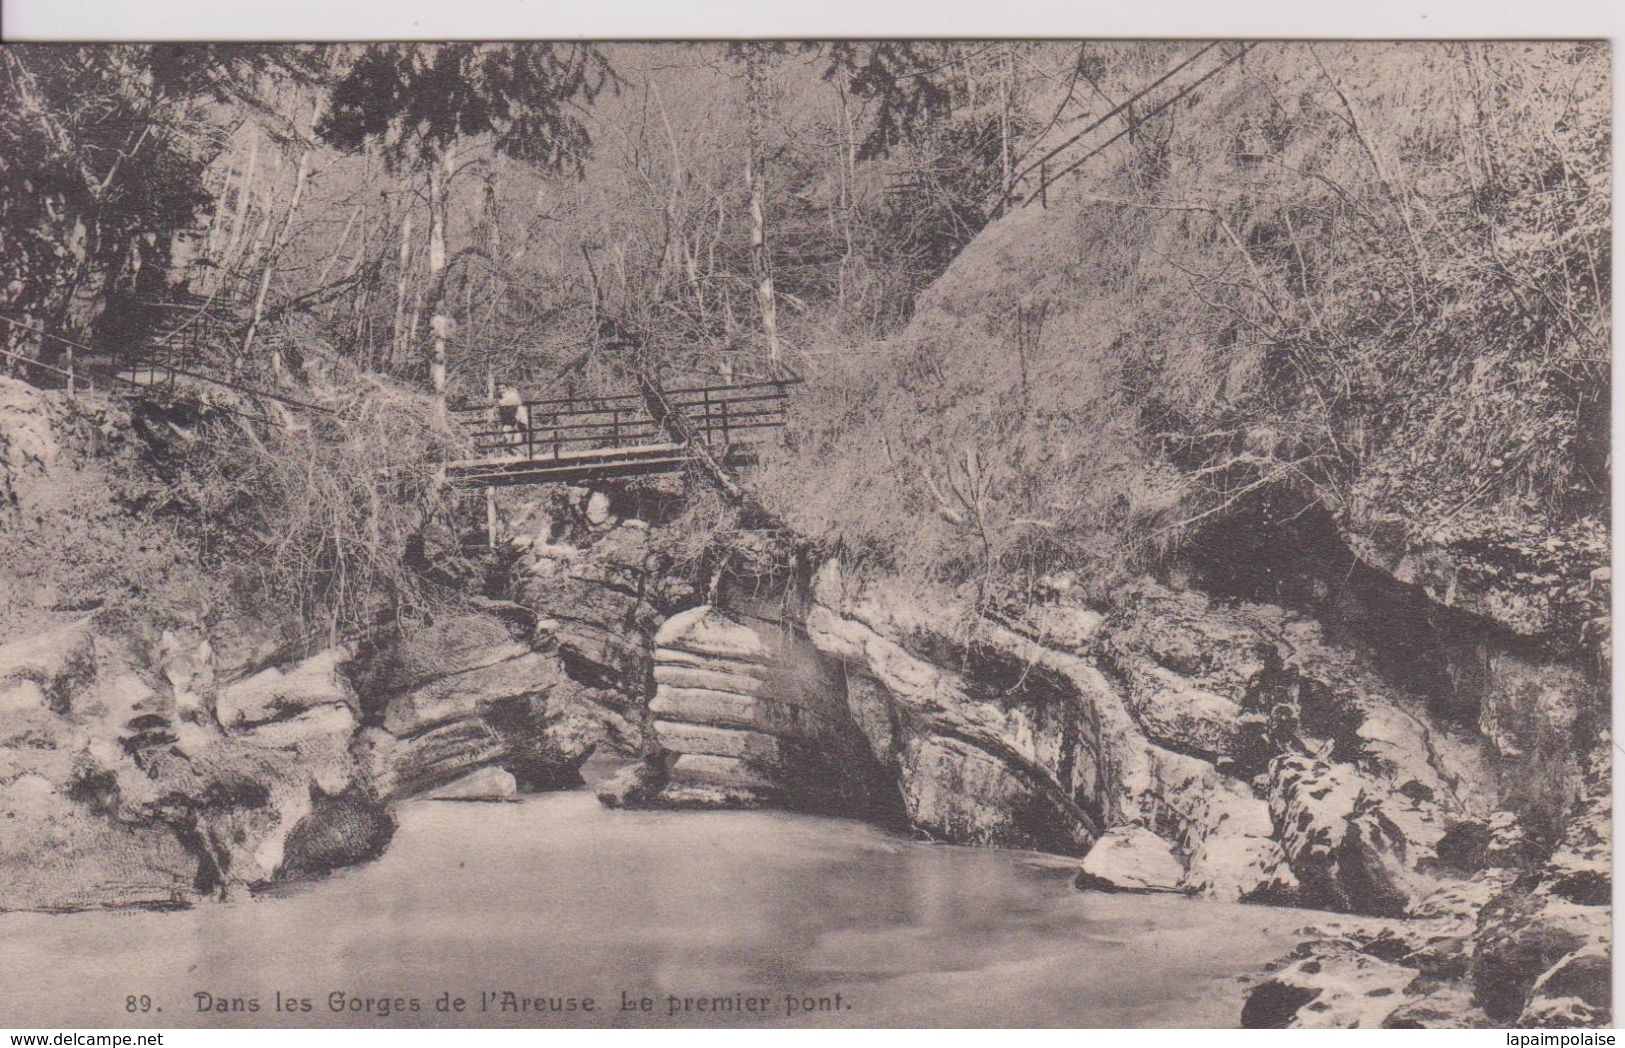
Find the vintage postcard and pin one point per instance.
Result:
(831, 533)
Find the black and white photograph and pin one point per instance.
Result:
(815, 533)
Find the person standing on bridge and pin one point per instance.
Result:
(514, 417)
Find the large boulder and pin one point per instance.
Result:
(511, 673)
(1353, 844)
(1328, 985)
(1131, 859)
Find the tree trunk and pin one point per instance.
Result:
(849, 168)
(215, 241)
(240, 215)
(439, 321)
(1006, 74)
(755, 183)
(402, 281)
(498, 269)
(278, 242)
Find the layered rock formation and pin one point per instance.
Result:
(485, 706)
(142, 767)
(1518, 942)
(154, 775)
(119, 760)
(1032, 745)
(1234, 750)
(972, 764)
(1230, 748)
(599, 594)
(746, 716)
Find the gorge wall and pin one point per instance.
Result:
(1212, 744)
(1416, 748)
(162, 750)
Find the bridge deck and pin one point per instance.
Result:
(572, 439)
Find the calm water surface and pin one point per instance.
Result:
(557, 897)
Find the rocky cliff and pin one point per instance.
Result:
(1417, 743)
(1230, 748)
(159, 779)
(1237, 749)
(156, 749)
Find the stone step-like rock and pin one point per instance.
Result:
(707, 769)
(738, 667)
(738, 743)
(709, 679)
(728, 710)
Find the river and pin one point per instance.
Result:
(555, 897)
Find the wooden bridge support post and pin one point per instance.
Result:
(490, 491)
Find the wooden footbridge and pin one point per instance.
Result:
(561, 440)
(655, 430)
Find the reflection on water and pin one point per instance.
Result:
(557, 897)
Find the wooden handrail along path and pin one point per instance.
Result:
(560, 440)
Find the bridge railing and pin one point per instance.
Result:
(722, 416)
(188, 333)
(46, 376)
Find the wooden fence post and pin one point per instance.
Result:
(490, 490)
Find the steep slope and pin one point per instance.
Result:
(1254, 491)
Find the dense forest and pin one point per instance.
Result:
(1339, 275)
(378, 221)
